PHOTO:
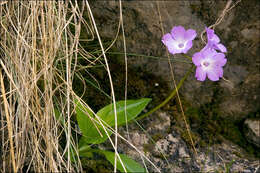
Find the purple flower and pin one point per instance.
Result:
(209, 63)
(179, 40)
(213, 41)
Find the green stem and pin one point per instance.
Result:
(173, 93)
(186, 56)
(152, 57)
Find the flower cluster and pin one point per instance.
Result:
(209, 61)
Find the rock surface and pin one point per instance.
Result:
(171, 154)
(239, 31)
(233, 99)
(253, 131)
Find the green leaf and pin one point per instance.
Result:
(83, 117)
(91, 133)
(84, 149)
(96, 134)
(83, 146)
(95, 137)
(133, 108)
(130, 164)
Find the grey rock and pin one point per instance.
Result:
(238, 31)
(171, 154)
(235, 98)
(253, 131)
(160, 123)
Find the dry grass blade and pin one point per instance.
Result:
(9, 126)
(39, 49)
(36, 38)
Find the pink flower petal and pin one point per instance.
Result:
(179, 40)
(212, 36)
(187, 46)
(190, 34)
(196, 58)
(178, 32)
(220, 72)
(172, 49)
(200, 74)
(166, 39)
(220, 59)
(215, 39)
(209, 53)
(221, 47)
(215, 73)
(169, 42)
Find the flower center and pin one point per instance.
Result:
(181, 45)
(206, 64)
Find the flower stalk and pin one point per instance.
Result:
(172, 94)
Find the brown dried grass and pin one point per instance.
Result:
(39, 48)
(38, 58)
